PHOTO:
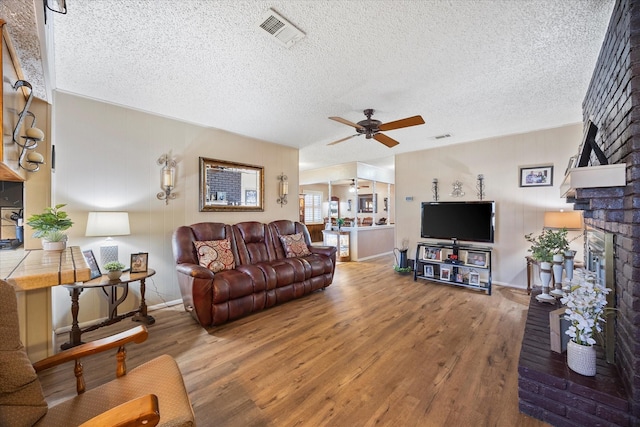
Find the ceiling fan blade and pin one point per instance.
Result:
(343, 139)
(389, 142)
(346, 122)
(409, 121)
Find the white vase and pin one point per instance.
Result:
(545, 279)
(53, 246)
(568, 264)
(114, 274)
(557, 276)
(581, 358)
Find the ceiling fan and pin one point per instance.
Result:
(371, 128)
(352, 186)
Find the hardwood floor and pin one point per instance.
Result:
(375, 348)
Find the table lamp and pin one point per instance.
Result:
(571, 220)
(108, 224)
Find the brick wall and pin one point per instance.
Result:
(227, 182)
(612, 103)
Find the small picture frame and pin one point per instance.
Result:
(478, 259)
(428, 271)
(474, 278)
(459, 278)
(445, 274)
(139, 262)
(536, 176)
(433, 254)
(93, 265)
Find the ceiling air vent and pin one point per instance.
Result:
(283, 31)
(443, 136)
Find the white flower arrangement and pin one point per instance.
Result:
(585, 307)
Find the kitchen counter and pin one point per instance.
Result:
(28, 270)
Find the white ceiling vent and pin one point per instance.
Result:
(283, 31)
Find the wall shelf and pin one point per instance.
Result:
(593, 177)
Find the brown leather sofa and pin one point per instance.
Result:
(262, 277)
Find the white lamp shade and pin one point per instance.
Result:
(108, 224)
(571, 220)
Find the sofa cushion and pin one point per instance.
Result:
(294, 245)
(216, 255)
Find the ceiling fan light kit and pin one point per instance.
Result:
(371, 128)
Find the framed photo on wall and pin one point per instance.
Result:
(139, 262)
(536, 176)
(93, 265)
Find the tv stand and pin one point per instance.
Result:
(454, 264)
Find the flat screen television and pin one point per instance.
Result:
(467, 221)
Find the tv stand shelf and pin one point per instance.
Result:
(454, 264)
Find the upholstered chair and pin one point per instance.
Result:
(151, 394)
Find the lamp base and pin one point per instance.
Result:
(108, 254)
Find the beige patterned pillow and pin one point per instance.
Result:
(216, 255)
(294, 245)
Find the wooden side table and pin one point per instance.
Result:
(110, 293)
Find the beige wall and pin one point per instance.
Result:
(518, 210)
(106, 160)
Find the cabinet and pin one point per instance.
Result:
(454, 264)
(341, 240)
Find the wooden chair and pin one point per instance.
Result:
(151, 394)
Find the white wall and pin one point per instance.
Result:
(106, 160)
(518, 210)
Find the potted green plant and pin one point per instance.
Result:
(340, 223)
(50, 226)
(543, 248)
(114, 269)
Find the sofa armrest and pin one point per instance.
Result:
(142, 411)
(328, 251)
(195, 270)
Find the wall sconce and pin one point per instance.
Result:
(28, 160)
(434, 189)
(167, 178)
(283, 189)
(57, 6)
(480, 187)
(457, 189)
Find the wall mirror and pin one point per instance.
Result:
(229, 186)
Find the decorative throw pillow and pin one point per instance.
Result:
(216, 255)
(294, 245)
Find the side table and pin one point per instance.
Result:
(110, 292)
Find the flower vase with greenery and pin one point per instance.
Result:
(543, 248)
(50, 226)
(585, 307)
(401, 266)
(340, 223)
(114, 269)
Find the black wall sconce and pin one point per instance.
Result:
(28, 160)
(480, 187)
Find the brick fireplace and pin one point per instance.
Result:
(612, 103)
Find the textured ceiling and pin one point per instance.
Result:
(472, 69)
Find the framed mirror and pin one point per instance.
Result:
(229, 186)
